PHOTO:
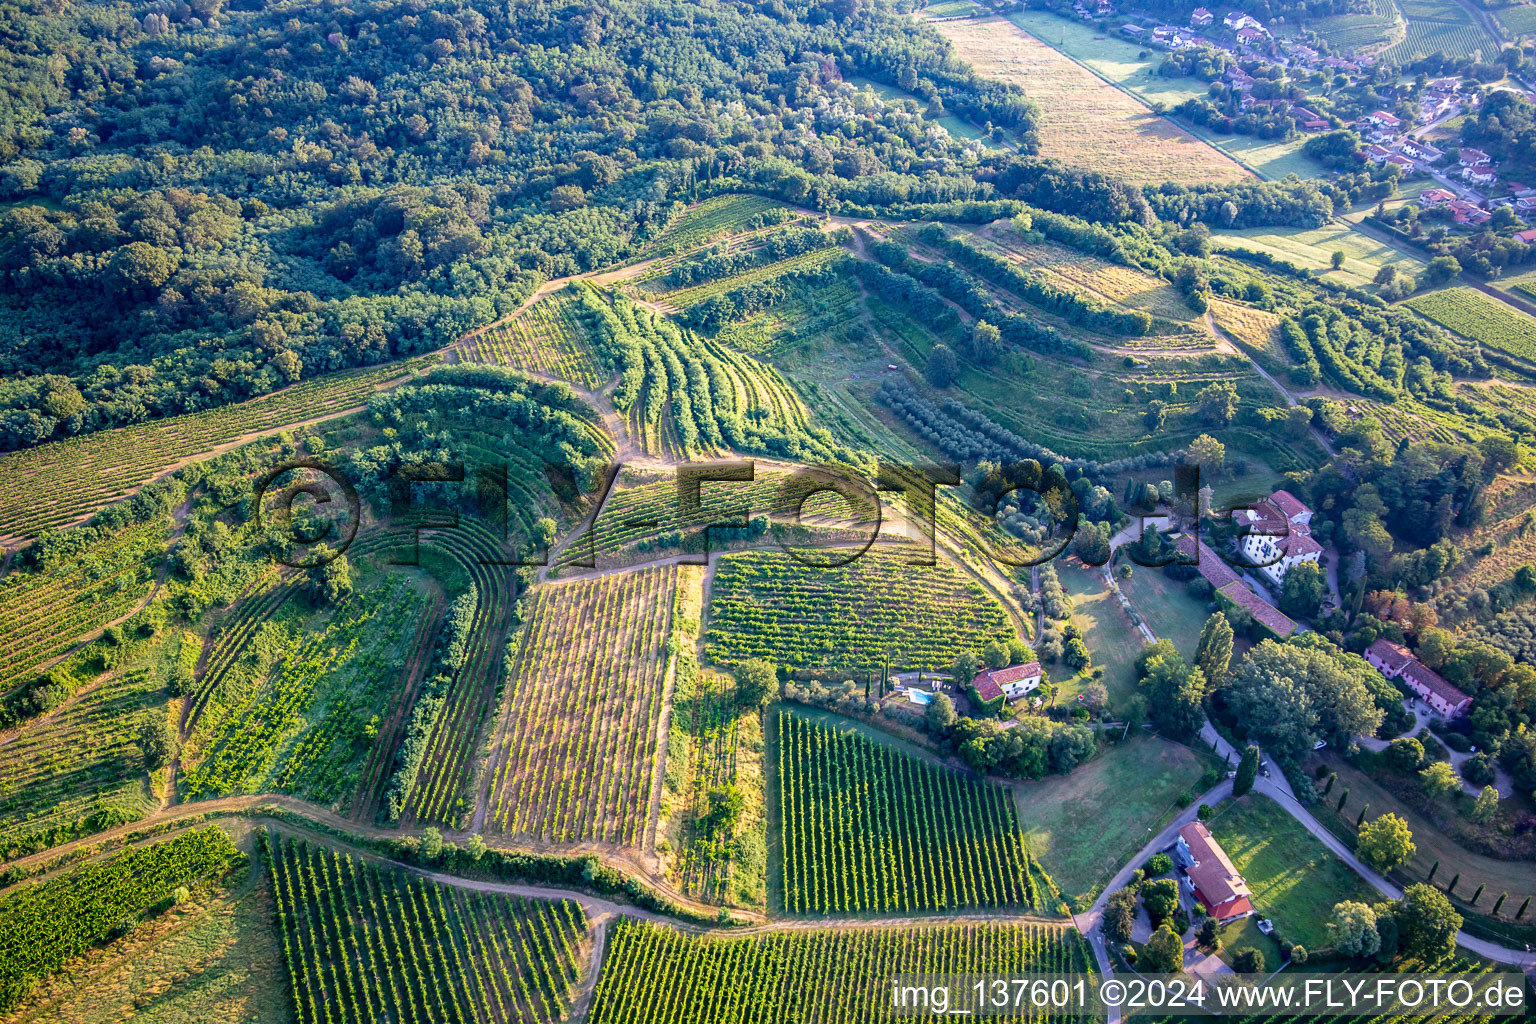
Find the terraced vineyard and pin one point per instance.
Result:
(715, 216)
(304, 730)
(1440, 26)
(59, 771)
(58, 483)
(45, 608)
(364, 944)
(1480, 318)
(658, 975)
(47, 923)
(225, 664)
(685, 297)
(769, 605)
(547, 338)
(866, 828)
(577, 756)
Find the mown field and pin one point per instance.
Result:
(1087, 121)
(1313, 248)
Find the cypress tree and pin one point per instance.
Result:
(1432, 870)
(1523, 908)
(1452, 887)
(1479, 893)
(1343, 798)
(1332, 778)
(1361, 820)
(1499, 903)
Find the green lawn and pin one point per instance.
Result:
(1314, 248)
(1085, 825)
(1167, 606)
(1112, 640)
(1294, 878)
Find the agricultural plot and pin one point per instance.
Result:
(1520, 21)
(1085, 121)
(79, 768)
(48, 923)
(685, 297)
(718, 215)
(1256, 331)
(547, 339)
(875, 609)
(304, 730)
(1440, 26)
(1483, 320)
(1380, 24)
(815, 312)
(58, 483)
(45, 609)
(364, 944)
(648, 516)
(577, 759)
(216, 957)
(866, 828)
(1313, 248)
(653, 974)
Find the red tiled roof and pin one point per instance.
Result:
(1431, 680)
(1208, 562)
(986, 687)
(1217, 881)
(1240, 594)
(1394, 656)
(1009, 674)
(1289, 505)
(1300, 542)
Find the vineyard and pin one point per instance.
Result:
(657, 975)
(547, 338)
(681, 395)
(577, 754)
(76, 590)
(1480, 318)
(48, 923)
(79, 768)
(364, 944)
(304, 730)
(864, 827)
(1440, 26)
(682, 298)
(231, 661)
(649, 516)
(57, 483)
(876, 608)
(716, 216)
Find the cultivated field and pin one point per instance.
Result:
(863, 827)
(657, 975)
(547, 339)
(57, 483)
(1484, 320)
(1313, 248)
(876, 608)
(1440, 26)
(1085, 120)
(364, 944)
(577, 757)
(718, 215)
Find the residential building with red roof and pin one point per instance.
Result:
(1201, 17)
(1395, 662)
(1527, 236)
(1388, 658)
(1471, 157)
(1012, 681)
(1211, 875)
(1279, 534)
(1241, 595)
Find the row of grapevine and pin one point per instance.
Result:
(280, 737)
(46, 609)
(684, 297)
(654, 974)
(547, 338)
(577, 756)
(54, 484)
(370, 945)
(877, 608)
(44, 924)
(719, 215)
(259, 602)
(864, 827)
(441, 793)
(1480, 318)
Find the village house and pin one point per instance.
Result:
(1394, 662)
(1436, 197)
(1134, 31)
(1013, 681)
(1309, 120)
(1471, 157)
(1480, 174)
(1528, 237)
(1201, 17)
(1384, 120)
(1225, 581)
(1463, 212)
(1211, 875)
(1250, 36)
(1237, 20)
(1421, 150)
(1241, 80)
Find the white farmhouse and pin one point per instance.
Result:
(1280, 534)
